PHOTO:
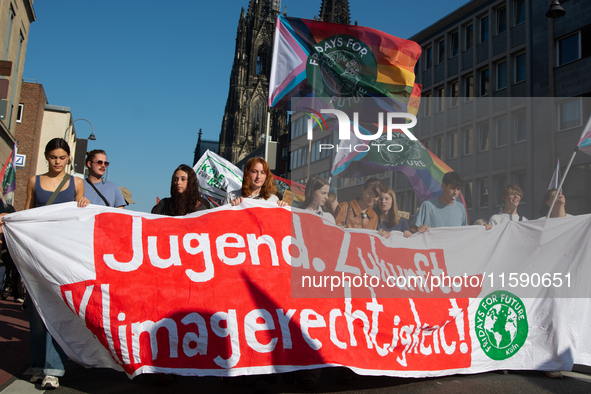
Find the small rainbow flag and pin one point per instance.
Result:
(8, 173)
(297, 190)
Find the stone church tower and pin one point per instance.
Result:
(245, 117)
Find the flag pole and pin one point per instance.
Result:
(561, 182)
(267, 136)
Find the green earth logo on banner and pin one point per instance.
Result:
(342, 67)
(400, 150)
(501, 325)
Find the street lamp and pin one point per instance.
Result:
(81, 145)
(555, 10)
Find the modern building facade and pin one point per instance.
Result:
(16, 17)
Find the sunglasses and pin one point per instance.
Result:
(100, 163)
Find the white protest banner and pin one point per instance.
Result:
(261, 289)
(217, 176)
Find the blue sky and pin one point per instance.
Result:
(149, 74)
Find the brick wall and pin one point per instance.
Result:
(27, 135)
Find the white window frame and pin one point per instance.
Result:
(559, 113)
(580, 51)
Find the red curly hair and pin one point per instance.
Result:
(268, 189)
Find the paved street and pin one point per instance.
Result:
(14, 350)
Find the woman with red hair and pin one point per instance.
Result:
(257, 184)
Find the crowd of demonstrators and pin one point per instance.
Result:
(257, 183)
(511, 196)
(185, 196)
(48, 360)
(98, 190)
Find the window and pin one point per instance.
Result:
(502, 75)
(569, 114)
(519, 12)
(468, 37)
(455, 44)
(19, 113)
(467, 137)
(427, 104)
(501, 20)
(428, 57)
(521, 180)
(569, 49)
(438, 146)
(484, 80)
(8, 32)
(453, 93)
(520, 68)
(453, 145)
(400, 200)
(468, 194)
(501, 128)
(483, 132)
(519, 126)
(468, 87)
(440, 51)
(483, 192)
(426, 143)
(483, 29)
(500, 182)
(440, 99)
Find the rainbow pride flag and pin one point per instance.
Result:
(8, 173)
(320, 59)
(423, 168)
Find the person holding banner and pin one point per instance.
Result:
(558, 211)
(511, 195)
(98, 190)
(257, 184)
(390, 220)
(358, 213)
(48, 360)
(317, 190)
(444, 211)
(185, 196)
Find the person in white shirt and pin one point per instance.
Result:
(317, 190)
(511, 195)
(257, 183)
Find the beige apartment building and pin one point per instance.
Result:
(16, 17)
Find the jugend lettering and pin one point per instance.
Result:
(345, 125)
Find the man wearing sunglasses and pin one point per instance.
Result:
(98, 190)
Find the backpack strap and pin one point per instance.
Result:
(59, 188)
(97, 192)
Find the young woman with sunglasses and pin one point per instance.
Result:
(96, 186)
(48, 360)
(257, 183)
(185, 196)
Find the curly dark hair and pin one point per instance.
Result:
(268, 187)
(188, 201)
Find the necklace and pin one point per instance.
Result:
(55, 184)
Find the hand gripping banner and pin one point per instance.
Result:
(261, 289)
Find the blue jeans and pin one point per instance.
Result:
(46, 355)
